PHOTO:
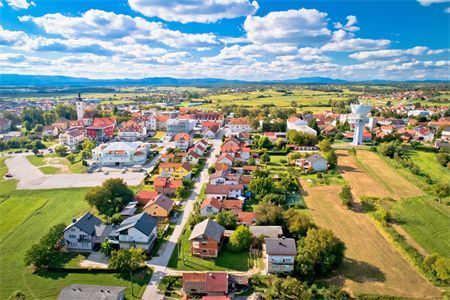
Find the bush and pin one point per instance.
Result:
(17, 295)
(346, 196)
(439, 266)
(241, 239)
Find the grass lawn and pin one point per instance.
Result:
(6, 186)
(53, 164)
(429, 165)
(226, 260)
(27, 215)
(427, 222)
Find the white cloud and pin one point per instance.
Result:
(344, 41)
(300, 27)
(437, 51)
(306, 54)
(350, 25)
(11, 57)
(429, 2)
(389, 53)
(12, 38)
(20, 4)
(102, 25)
(194, 10)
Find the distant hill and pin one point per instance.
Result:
(49, 80)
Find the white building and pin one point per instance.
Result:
(294, 123)
(280, 253)
(120, 154)
(239, 125)
(313, 163)
(139, 231)
(305, 129)
(80, 104)
(131, 131)
(72, 138)
(83, 233)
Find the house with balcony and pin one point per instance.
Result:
(167, 186)
(72, 137)
(280, 254)
(177, 171)
(206, 238)
(139, 231)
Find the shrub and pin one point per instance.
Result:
(241, 239)
(346, 196)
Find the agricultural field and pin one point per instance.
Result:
(426, 221)
(53, 164)
(27, 215)
(372, 265)
(367, 174)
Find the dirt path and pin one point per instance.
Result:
(369, 175)
(372, 264)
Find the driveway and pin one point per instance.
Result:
(29, 177)
(159, 264)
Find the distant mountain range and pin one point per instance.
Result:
(49, 80)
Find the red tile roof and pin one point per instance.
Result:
(212, 202)
(144, 197)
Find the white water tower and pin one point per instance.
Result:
(80, 107)
(359, 118)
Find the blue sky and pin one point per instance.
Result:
(233, 39)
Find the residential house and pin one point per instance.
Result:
(424, 134)
(175, 126)
(313, 163)
(84, 233)
(205, 238)
(139, 231)
(72, 137)
(183, 140)
(62, 124)
(88, 291)
(191, 157)
(223, 191)
(51, 131)
(239, 125)
(161, 122)
(211, 131)
(226, 159)
(236, 148)
(101, 129)
(210, 207)
(5, 124)
(294, 123)
(167, 186)
(246, 218)
(280, 254)
(235, 206)
(160, 206)
(180, 171)
(131, 131)
(143, 197)
(207, 283)
(446, 134)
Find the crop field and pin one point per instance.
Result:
(430, 166)
(27, 215)
(426, 221)
(372, 264)
(367, 174)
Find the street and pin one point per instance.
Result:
(159, 264)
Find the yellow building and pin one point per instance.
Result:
(177, 171)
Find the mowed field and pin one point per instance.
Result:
(372, 265)
(367, 174)
(429, 165)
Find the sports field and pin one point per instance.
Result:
(367, 174)
(372, 264)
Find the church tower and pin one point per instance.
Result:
(80, 107)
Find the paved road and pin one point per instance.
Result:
(159, 264)
(31, 178)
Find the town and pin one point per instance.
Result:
(180, 197)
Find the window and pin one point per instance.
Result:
(204, 251)
(72, 236)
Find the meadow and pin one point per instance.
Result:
(428, 164)
(53, 164)
(25, 216)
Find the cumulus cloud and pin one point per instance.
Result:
(301, 27)
(20, 4)
(306, 54)
(194, 10)
(12, 38)
(344, 41)
(11, 57)
(102, 25)
(349, 26)
(389, 53)
(429, 2)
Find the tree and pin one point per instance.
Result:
(346, 196)
(61, 150)
(265, 158)
(17, 295)
(110, 197)
(318, 253)
(325, 145)
(106, 248)
(227, 219)
(280, 143)
(439, 266)
(127, 261)
(46, 253)
(268, 214)
(297, 222)
(71, 158)
(38, 128)
(442, 190)
(211, 169)
(277, 198)
(443, 159)
(261, 186)
(88, 145)
(290, 288)
(241, 239)
(264, 143)
(251, 161)
(332, 159)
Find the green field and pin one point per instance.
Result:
(53, 164)
(182, 259)
(27, 215)
(427, 222)
(430, 166)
